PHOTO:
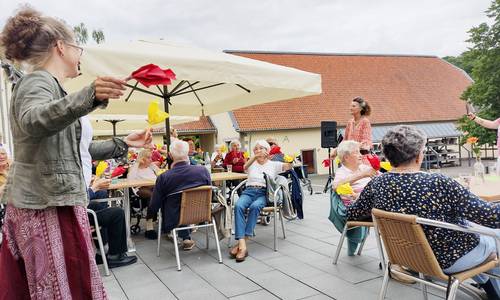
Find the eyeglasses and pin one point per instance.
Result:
(76, 47)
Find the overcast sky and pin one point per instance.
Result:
(434, 27)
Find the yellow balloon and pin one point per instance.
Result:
(155, 114)
(386, 165)
(101, 167)
(345, 189)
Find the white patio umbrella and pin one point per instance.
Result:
(130, 121)
(207, 82)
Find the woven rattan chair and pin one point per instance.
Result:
(196, 209)
(406, 245)
(97, 230)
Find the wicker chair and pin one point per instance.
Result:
(196, 208)
(406, 245)
(97, 230)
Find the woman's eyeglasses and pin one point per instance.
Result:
(76, 47)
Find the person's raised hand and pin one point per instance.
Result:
(108, 88)
(471, 116)
(141, 139)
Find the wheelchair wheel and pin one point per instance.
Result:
(265, 220)
(135, 229)
(307, 182)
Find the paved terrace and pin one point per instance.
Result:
(301, 269)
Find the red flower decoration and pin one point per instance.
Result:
(156, 156)
(118, 171)
(153, 75)
(275, 150)
(374, 161)
(326, 163)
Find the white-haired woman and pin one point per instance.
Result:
(353, 171)
(253, 197)
(145, 169)
(235, 157)
(217, 159)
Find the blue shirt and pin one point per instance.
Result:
(181, 177)
(431, 196)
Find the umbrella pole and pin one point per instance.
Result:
(166, 101)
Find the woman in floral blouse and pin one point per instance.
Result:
(434, 196)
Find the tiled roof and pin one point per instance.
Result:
(399, 89)
(203, 125)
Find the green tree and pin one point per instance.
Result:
(98, 36)
(482, 62)
(82, 34)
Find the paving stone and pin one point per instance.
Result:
(257, 295)
(283, 286)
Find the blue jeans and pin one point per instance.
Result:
(253, 199)
(476, 257)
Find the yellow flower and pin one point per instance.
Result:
(246, 154)
(101, 167)
(345, 189)
(386, 165)
(288, 158)
(155, 115)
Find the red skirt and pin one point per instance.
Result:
(48, 254)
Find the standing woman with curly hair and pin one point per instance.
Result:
(47, 248)
(359, 128)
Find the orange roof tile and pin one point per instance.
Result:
(203, 125)
(398, 88)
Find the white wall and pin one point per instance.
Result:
(225, 129)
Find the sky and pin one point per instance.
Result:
(417, 27)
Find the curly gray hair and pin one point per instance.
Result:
(402, 144)
(345, 148)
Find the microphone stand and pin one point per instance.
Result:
(329, 182)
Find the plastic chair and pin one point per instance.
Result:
(196, 208)
(97, 230)
(407, 246)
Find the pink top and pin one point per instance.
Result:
(361, 133)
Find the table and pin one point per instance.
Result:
(489, 190)
(125, 184)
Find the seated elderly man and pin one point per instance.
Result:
(405, 189)
(180, 177)
(112, 222)
(353, 171)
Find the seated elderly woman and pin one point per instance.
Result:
(235, 157)
(253, 197)
(144, 169)
(353, 171)
(217, 158)
(405, 189)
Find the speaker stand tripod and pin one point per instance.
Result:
(329, 182)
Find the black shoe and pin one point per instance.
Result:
(490, 290)
(151, 234)
(122, 260)
(98, 259)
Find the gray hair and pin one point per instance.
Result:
(179, 150)
(217, 146)
(346, 148)
(263, 144)
(235, 142)
(402, 144)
